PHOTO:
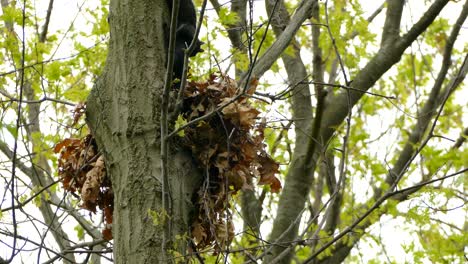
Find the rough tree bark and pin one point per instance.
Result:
(123, 113)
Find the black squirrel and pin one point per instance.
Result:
(186, 25)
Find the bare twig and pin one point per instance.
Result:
(188, 51)
(51, 60)
(43, 99)
(166, 195)
(15, 146)
(275, 50)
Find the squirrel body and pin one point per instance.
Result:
(186, 26)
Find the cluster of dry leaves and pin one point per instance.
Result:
(82, 170)
(229, 148)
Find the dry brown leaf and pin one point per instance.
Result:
(81, 170)
(78, 112)
(247, 116)
(94, 178)
(252, 86)
(107, 233)
(66, 143)
(230, 148)
(198, 232)
(267, 170)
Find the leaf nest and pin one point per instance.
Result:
(229, 147)
(82, 170)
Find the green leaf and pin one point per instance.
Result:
(53, 70)
(76, 93)
(227, 17)
(179, 123)
(79, 232)
(11, 14)
(12, 129)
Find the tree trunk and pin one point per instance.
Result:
(123, 113)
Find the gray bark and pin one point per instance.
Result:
(123, 113)
(302, 114)
(264, 63)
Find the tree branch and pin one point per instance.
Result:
(431, 105)
(45, 28)
(377, 66)
(32, 174)
(235, 31)
(164, 123)
(272, 54)
(283, 229)
(409, 152)
(391, 29)
(461, 139)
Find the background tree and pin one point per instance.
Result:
(365, 113)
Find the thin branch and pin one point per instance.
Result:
(33, 174)
(424, 183)
(190, 50)
(234, 31)
(71, 249)
(15, 146)
(376, 205)
(318, 75)
(36, 194)
(396, 176)
(431, 104)
(52, 60)
(354, 89)
(343, 161)
(166, 195)
(34, 243)
(275, 50)
(329, 173)
(280, 136)
(461, 139)
(355, 33)
(45, 28)
(409, 153)
(422, 24)
(377, 66)
(43, 99)
(253, 61)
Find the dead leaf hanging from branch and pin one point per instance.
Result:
(229, 147)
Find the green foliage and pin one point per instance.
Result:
(263, 39)
(76, 93)
(179, 123)
(380, 127)
(303, 253)
(158, 218)
(440, 248)
(79, 232)
(437, 33)
(12, 14)
(241, 59)
(227, 18)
